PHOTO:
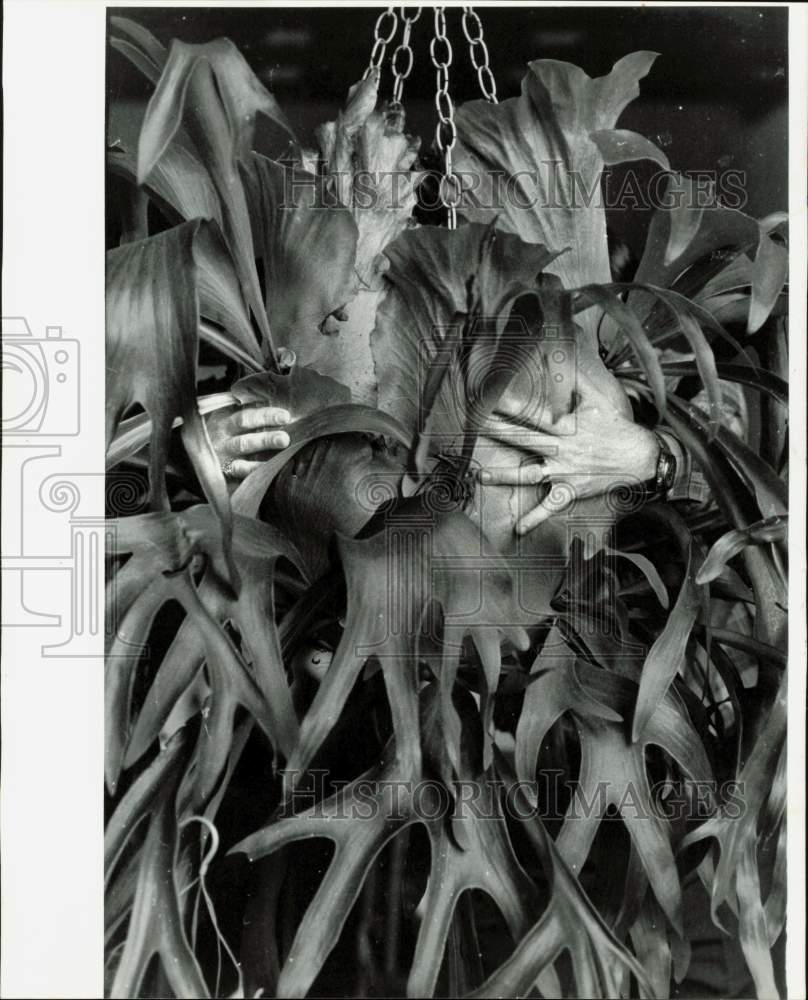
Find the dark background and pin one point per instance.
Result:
(716, 98)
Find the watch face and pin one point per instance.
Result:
(670, 477)
(666, 468)
(666, 471)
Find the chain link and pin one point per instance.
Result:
(381, 40)
(441, 54)
(403, 51)
(478, 50)
(440, 51)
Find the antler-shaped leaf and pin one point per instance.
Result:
(152, 313)
(740, 829)
(369, 159)
(215, 175)
(141, 796)
(365, 816)
(769, 275)
(359, 820)
(178, 184)
(189, 179)
(613, 768)
(155, 924)
(562, 688)
(570, 922)
(332, 487)
(366, 164)
(649, 938)
(732, 469)
(470, 849)
(695, 225)
(261, 687)
(628, 323)
(438, 277)
(666, 657)
(485, 861)
(539, 158)
(419, 560)
(329, 421)
(446, 346)
(140, 46)
(771, 530)
(307, 245)
(131, 606)
(211, 90)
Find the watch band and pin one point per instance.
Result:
(665, 475)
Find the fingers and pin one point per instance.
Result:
(240, 468)
(538, 415)
(563, 493)
(261, 424)
(252, 418)
(521, 475)
(531, 475)
(251, 444)
(508, 433)
(549, 507)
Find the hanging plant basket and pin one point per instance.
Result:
(412, 709)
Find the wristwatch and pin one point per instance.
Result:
(665, 475)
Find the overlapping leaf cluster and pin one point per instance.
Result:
(357, 606)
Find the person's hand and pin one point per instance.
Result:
(592, 448)
(245, 436)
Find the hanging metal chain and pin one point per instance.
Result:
(401, 62)
(478, 50)
(381, 39)
(440, 50)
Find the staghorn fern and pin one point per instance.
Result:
(447, 659)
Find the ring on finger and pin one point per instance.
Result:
(227, 468)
